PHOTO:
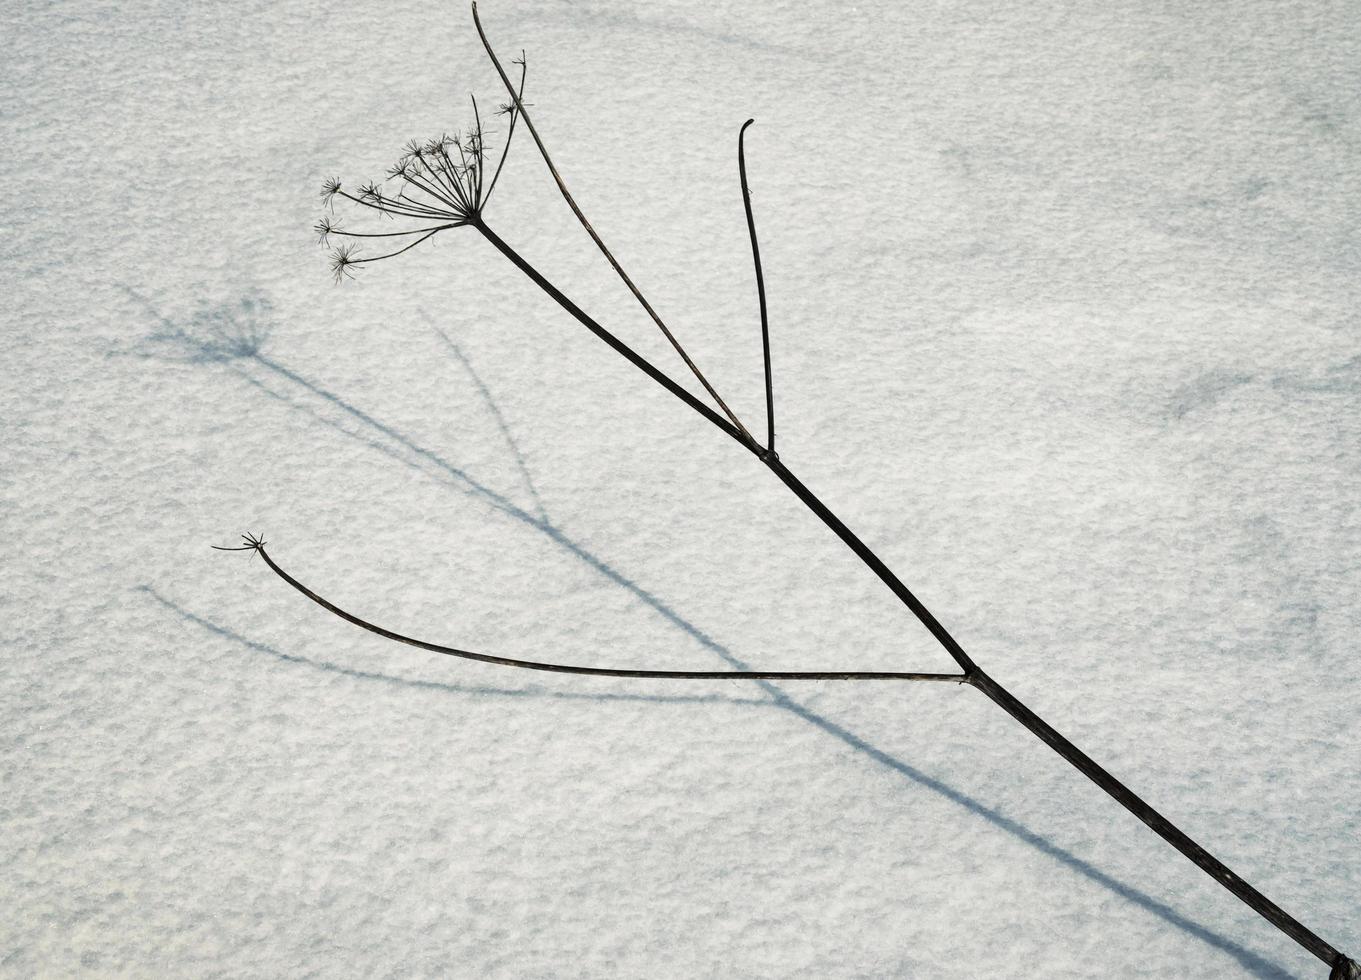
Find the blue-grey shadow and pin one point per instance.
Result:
(470, 689)
(237, 345)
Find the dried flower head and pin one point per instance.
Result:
(342, 257)
(436, 184)
(323, 228)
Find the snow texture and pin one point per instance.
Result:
(1064, 310)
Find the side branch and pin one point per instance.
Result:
(258, 546)
(633, 357)
(760, 284)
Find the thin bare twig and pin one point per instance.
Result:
(760, 284)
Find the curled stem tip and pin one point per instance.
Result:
(254, 542)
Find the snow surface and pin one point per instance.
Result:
(1064, 306)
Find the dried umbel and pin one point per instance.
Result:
(442, 184)
(435, 185)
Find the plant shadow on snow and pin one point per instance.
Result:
(232, 335)
(478, 690)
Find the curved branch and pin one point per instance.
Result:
(255, 544)
(760, 283)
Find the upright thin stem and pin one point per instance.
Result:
(258, 547)
(510, 131)
(760, 283)
(478, 154)
(619, 270)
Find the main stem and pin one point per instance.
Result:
(1012, 705)
(1343, 967)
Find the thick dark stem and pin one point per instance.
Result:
(760, 284)
(863, 552)
(1160, 825)
(1345, 968)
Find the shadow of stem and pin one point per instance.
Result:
(238, 346)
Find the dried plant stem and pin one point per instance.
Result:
(1160, 825)
(760, 284)
(595, 237)
(973, 674)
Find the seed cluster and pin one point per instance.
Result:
(440, 183)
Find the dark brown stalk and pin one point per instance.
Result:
(1163, 827)
(628, 352)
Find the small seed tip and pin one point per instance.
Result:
(254, 542)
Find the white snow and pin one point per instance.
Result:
(1064, 317)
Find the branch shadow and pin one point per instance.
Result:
(228, 633)
(233, 335)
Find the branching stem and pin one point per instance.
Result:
(462, 189)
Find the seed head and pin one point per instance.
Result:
(342, 257)
(438, 144)
(324, 228)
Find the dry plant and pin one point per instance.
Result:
(446, 183)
